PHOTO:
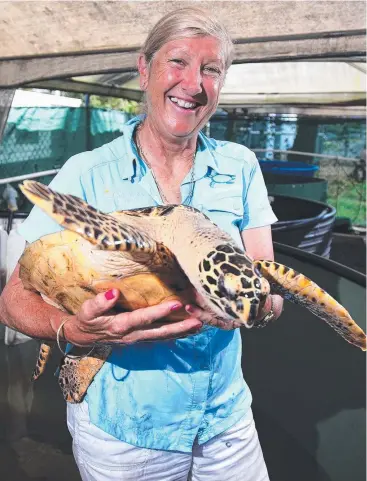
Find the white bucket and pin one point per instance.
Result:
(15, 247)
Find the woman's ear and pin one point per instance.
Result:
(143, 71)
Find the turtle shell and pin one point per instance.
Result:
(154, 255)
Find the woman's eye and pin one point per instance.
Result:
(212, 70)
(178, 61)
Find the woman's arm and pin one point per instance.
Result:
(258, 244)
(25, 311)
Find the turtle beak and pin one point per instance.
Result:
(246, 308)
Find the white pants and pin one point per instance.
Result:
(231, 456)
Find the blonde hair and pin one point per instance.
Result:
(183, 23)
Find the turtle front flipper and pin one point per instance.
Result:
(77, 373)
(100, 229)
(43, 356)
(299, 289)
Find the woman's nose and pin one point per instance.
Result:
(192, 81)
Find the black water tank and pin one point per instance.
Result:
(303, 223)
(308, 384)
(311, 188)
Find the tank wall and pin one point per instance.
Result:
(309, 387)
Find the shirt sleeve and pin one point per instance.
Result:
(257, 208)
(38, 223)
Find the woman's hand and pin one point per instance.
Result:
(272, 302)
(207, 317)
(96, 322)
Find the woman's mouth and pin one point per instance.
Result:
(184, 104)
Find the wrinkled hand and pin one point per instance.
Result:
(212, 319)
(96, 322)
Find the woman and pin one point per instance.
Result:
(171, 409)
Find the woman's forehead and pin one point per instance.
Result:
(208, 47)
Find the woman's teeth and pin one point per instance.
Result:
(183, 103)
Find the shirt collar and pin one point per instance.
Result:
(206, 159)
(131, 160)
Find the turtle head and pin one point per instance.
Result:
(233, 283)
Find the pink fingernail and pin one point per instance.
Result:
(190, 309)
(176, 307)
(109, 295)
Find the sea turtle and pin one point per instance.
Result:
(153, 255)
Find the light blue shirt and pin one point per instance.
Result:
(162, 395)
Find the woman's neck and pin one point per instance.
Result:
(165, 155)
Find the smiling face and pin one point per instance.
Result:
(182, 85)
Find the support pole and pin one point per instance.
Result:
(6, 99)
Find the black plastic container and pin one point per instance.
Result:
(311, 188)
(308, 384)
(303, 223)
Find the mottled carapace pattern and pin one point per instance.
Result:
(98, 228)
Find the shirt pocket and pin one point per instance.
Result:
(126, 196)
(226, 211)
(230, 204)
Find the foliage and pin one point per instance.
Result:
(128, 106)
(349, 199)
(345, 139)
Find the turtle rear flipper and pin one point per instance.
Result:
(299, 289)
(43, 356)
(74, 214)
(77, 373)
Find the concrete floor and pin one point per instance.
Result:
(34, 441)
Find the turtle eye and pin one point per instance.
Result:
(257, 283)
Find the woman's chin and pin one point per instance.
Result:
(183, 131)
